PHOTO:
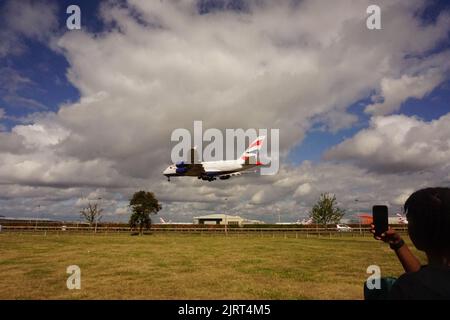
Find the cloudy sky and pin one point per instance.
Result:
(87, 114)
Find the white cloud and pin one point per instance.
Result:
(398, 143)
(423, 76)
(259, 198)
(355, 188)
(302, 190)
(397, 91)
(122, 211)
(35, 20)
(195, 67)
(275, 66)
(401, 198)
(40, 135)
(9, 44)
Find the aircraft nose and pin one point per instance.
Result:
(167, 171)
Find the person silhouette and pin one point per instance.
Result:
(428, 215)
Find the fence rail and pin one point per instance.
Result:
(191, 230)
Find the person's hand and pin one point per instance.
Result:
(390, 236)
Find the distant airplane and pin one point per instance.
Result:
(170, 222)
(224, 169)
(343, 228)
(164, 222)
(402, 219)
(305, 221)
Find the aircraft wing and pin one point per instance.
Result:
(196, 169)
(191, 167)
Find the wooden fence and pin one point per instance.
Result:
(287, 232)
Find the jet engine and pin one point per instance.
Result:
(181, 170)
(181, 167)
(181, 164)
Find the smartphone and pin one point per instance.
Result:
(380, 219)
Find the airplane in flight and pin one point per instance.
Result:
(305, 221)
(211, 170)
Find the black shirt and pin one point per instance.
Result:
(429, 282)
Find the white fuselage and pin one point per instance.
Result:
(223, 166)
(211, 169)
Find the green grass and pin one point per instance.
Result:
(33, 266)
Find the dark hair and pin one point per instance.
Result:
(428, 214)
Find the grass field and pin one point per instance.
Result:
(33, 266)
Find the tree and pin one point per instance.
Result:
(92, 213)
(325, 211)
(143, 204)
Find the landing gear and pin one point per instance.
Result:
(208, 178)
(168, 178)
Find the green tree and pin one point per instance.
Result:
(325, 211)
(143, 204)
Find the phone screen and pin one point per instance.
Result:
(380, 219)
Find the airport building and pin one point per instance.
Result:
(224, 219)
